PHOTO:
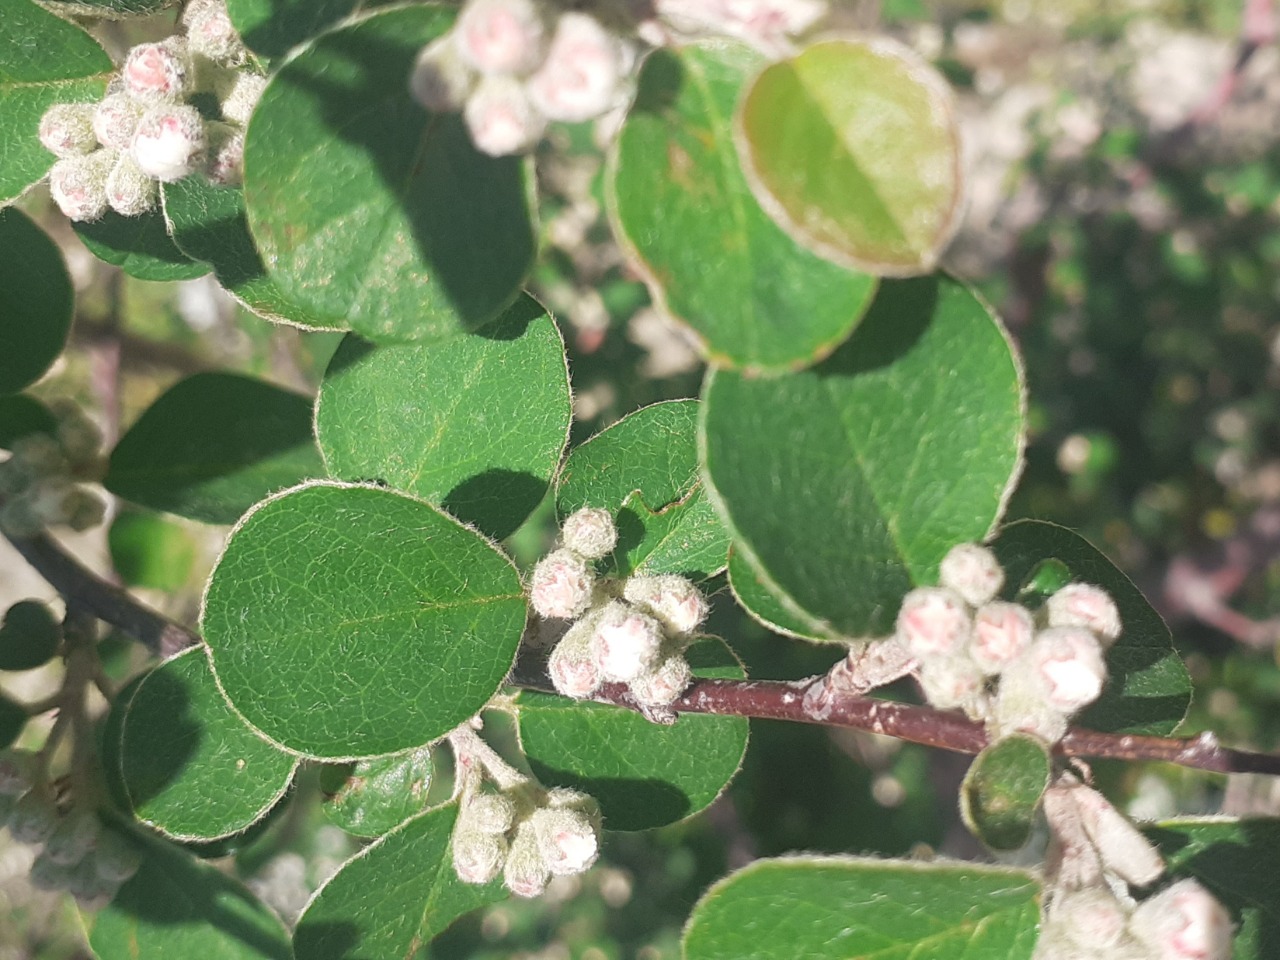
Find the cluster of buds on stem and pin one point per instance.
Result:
(114, 154)
(41, 484)
(1014, 669)
(76, 852)
(631, 631)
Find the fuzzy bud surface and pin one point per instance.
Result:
(950, 682)
(973, 572)
(580, 76)
(590, 533)
(440, 80)
(1184, 922)
(526, 872)
(572, 665)
(78, 185)
(500, 36)
(115, 119)
(674, 600)
(1001, 632)
(169, 142)
(561, 585)
(1068, 666)
(157, 72)
(625, 643)
(567, 838)
(1084, 605)
(115, 859)
(66, 129)
(478, 857)
(210, 32)
(500, 117)
(241, 96)
(130, 192)
(490, 813)
(933, 622)
(663, 686)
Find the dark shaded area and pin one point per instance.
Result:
(20, 416)
(899, 315)
(329, 939)
(662, 801)
(168, 736)
(290, 22)
(496, 501)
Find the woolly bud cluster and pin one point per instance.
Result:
(114, 154)
(764, 23)
(77, 853)
(999, 662)
(39, 483)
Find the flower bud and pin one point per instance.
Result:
(567, 839)
(1122, 847)
(1001, 632)
(210, 32)
(115, 858)
(91, 890)
(572, 664)
(18, 519)
(764, 22)
(1066, 663)
(526, 872)
(662, 686)
(933, 622)
(489, 813)
(1184, 922)
(41, 453)
(115, 120)
(130, 192)
(240, 94)
(225, 166)
(17, 772)
(170, 142)
(951, 682)
(973, 572)
(73, 837)
(66, 129)
(478, 857)
(158, 72)
(33, 818)
(83, 509)
(1090, 917)
(1084, 605)
(626, 642)
(441, 81)
(78, 185)
(78, 436)
(561, 585)
(500, 117)
(1071, 860)
(580, 76)
(500, 36)
(674, 600)
(50, 874)
(590, 533)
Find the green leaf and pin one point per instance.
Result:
(140, 246)
(189, 765)
(368, 210)
(836, 908)
(151, 551)
(755, 595)
(207, 223)
(476, 423)
(381, 793)
(845, 485)
(643, 774)
(111, 9)
(1148, 688)
(1235, 860)
(350, 621)
(711, 256)
(43, 60)
(21, 416)
(271, 28)
(1002, 790)
(36, 302)
(393, 897)
(645, 469)
(29, 636)
(852, 145)
(13, 717)
(176, 906)
(213, 446)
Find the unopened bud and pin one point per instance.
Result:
(526, 872)
(662, 686)
(1001, 632)
(572, 664)
(115, 858)
(130, 191)
(580, 76)
(240, 94)
(1084, 605)
(1072, 860)
(170, 142)
(116, 119)
(17, 772)
(674, 600)
(763, 22)
(225, 166)
(1067, 664)
(33, 818)
(1184, 922)
(1124, 850)
(478, 857)
(490, 813)
(590, 533)
(66, 129)
(42, 453)
(501, 119)
(561, 585)
(210, 32)
(933, 622)
(567, 839)
(78, 185)
(50, 874)
(83, 509)
(626, 642)
(501, 36)
(949, 683)
(1090, 917)
(973, 572)
(18, 519)
(73, 837)
(441, 81)
(158, 72)
(88, 886)
(78, 436)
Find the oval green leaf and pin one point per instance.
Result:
(151, 551)
(368, 210)
(349, 621)
(853, 146)
(476, 423)
(271, 28)
(36, 302)
(391, 898)
(642, 774)
(381, 793)
(29, 636)
(140, 246)
(835, 908)
(1002, 790)
(845, 485)
(189, 765)
(755, 298)
(214, 445)
(645, 469)
(1148, 688)
(755, 595)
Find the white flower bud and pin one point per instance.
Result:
(757, 21)
(674, 600)
(225, 166)
(116, 119)
(1090, 917)
(33, 818)
(41, 453)
(973, 572)
(590, 533)
(663, 686)
(561, 585)
(501, 119)
(441, 81)
(73, 837)
(1001, 632)
(88, 886)
(78, 436)
(1067, 664)
(1124, 850)
(478, 857)
(1184, 922)
(949, 683)
(489, 813)
(115, 858)
(500, 36)
(50, 874)
(572, 664)
(626, 642)
(66, 129)
(130, 192)
(1072, 860)
(1084, 605)
(18, 519)
(933, 622)
(169, 142)
(83, 509)
(567, 839)
(240, 94)
(17, 772)
(569, 799)
(158, 72)
(78, 185)
(210, 32)
(579, 78)
(526, 872)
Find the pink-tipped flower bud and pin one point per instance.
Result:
(572, 664)
(1001, 632)
(951, 683)
(441, 81)
(1090, 917)
(1072, 860)
(1184, 922)
(663, 685)
(674, 600)
(115, 858)
(225, 167)
(1122, 847)
(240, 94)
(567, 839)
(1084, 605)
(73, 837)
(116, 119)
(158, 72)
(590, 533)
(526, 872)
(478, 857)
(33, 818)
(933, 622)
(66, 129)
(1067, 664)
(211, 34)
(561, 585)
(130, 192)
(501, 36)
(626, 642)
(78, 185)
(580, 77)
(973, 572)
(763, 22)
(501, 119)
(489, 812)
(169, 142)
